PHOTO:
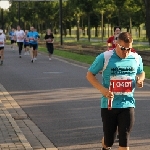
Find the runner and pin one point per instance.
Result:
(26, 43)
(121, 71)
(111, 40)
(33, 38)
(49, 38)
(2, 42)
(36, 50)
(19, 36)
(12, 38)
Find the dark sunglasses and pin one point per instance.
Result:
(123, 48)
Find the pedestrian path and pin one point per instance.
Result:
(17, 131)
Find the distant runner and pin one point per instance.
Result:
(2, 42)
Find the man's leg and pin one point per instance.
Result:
(1, 56)
(109, 119)
(125, 123)
(20, 48)
(31, 53)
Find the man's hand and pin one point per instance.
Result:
(139, 82)
(108, 94)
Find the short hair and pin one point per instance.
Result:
(126, 37)
(116, 28)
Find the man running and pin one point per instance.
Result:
(12, 38)
(2, 42)
(121, 70)
(111, 40)
(49, 38)
(19, 36)
(33, 38)
(26, 43)
(36, 50)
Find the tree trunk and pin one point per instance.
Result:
(89, 31)
(147, 6)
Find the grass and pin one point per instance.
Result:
(147, 71)
(84, 58)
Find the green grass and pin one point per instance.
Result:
(147, 71)
(84, 58)
(74, 56)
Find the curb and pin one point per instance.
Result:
(29, 134)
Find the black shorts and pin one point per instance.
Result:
(2, 48)
(34, 46)
(13, 41)
(123, 118)
(26, 45)
(50, 48)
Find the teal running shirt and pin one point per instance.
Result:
(118, 75)
(33, 36)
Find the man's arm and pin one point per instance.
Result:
(140, 79)
(92, 79)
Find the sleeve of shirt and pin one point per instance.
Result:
(140, 67)
(97, 65)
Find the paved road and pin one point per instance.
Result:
(60, 101)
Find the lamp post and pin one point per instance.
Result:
(2, 19)
(3, 5)
(60, 21)
(19, 13)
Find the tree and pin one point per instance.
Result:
(147, 6)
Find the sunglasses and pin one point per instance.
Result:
(123, 48)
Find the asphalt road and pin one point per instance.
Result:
(59, 100)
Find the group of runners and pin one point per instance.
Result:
(27, 40)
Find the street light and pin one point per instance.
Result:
(60, 21)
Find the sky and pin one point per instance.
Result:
(4, 4)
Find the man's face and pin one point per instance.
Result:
(31, 29)
(117, 31)
(123, 49)
(18, 27)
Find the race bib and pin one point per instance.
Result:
(20, 38)
(1, 42)
(31, 39)
(121, 85)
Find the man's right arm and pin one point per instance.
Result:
(92, 79)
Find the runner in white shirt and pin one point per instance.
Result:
(2, 42)
(19, 36)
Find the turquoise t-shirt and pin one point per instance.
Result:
(119, 75)
(33, 35)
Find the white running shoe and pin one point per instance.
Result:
(50, 58)
(35, 58)
(25, 53)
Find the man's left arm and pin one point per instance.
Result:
(140, 79)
